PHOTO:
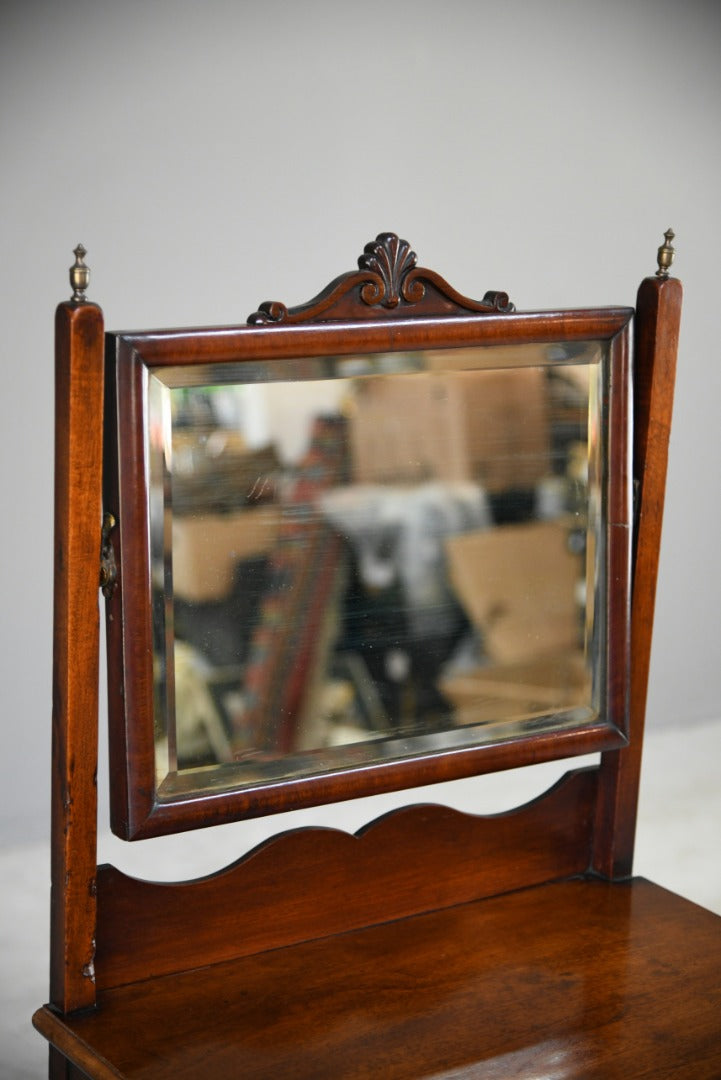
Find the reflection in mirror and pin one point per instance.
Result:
(372, 557)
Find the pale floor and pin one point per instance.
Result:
(678, 845)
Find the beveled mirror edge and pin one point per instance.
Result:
(135, 811)
(131, 769)
(193, 812)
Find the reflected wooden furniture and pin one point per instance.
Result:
(433, 943)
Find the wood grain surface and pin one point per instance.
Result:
(573, 979)
(311, 883)
(656, 331)
(78, 466)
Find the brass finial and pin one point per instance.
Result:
(665, 254)
(79, 275)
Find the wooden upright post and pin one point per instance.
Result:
(78, 471)
(656, 330)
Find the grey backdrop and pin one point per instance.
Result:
(212, 155)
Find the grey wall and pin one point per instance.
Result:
(212, 155)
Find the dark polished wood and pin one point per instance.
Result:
(387, 283)
(573, 979)
(62, 1069)
(656, 327)
(318, 882)
(136, 811)
(78, 467)
(433, 944)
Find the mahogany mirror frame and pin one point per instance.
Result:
(399, 307)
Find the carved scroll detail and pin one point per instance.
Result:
(387, 283)
(391, 259)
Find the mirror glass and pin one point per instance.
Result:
(365, 558)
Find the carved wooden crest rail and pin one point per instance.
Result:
(388, 282)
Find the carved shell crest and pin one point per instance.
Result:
(387, 277)
(391, 259)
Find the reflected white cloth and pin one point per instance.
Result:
(398, 535)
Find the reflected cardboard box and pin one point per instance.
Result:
(208, 547)
(489, 427)
(519, 691)
(519, 586)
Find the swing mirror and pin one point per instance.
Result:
(362, 545)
